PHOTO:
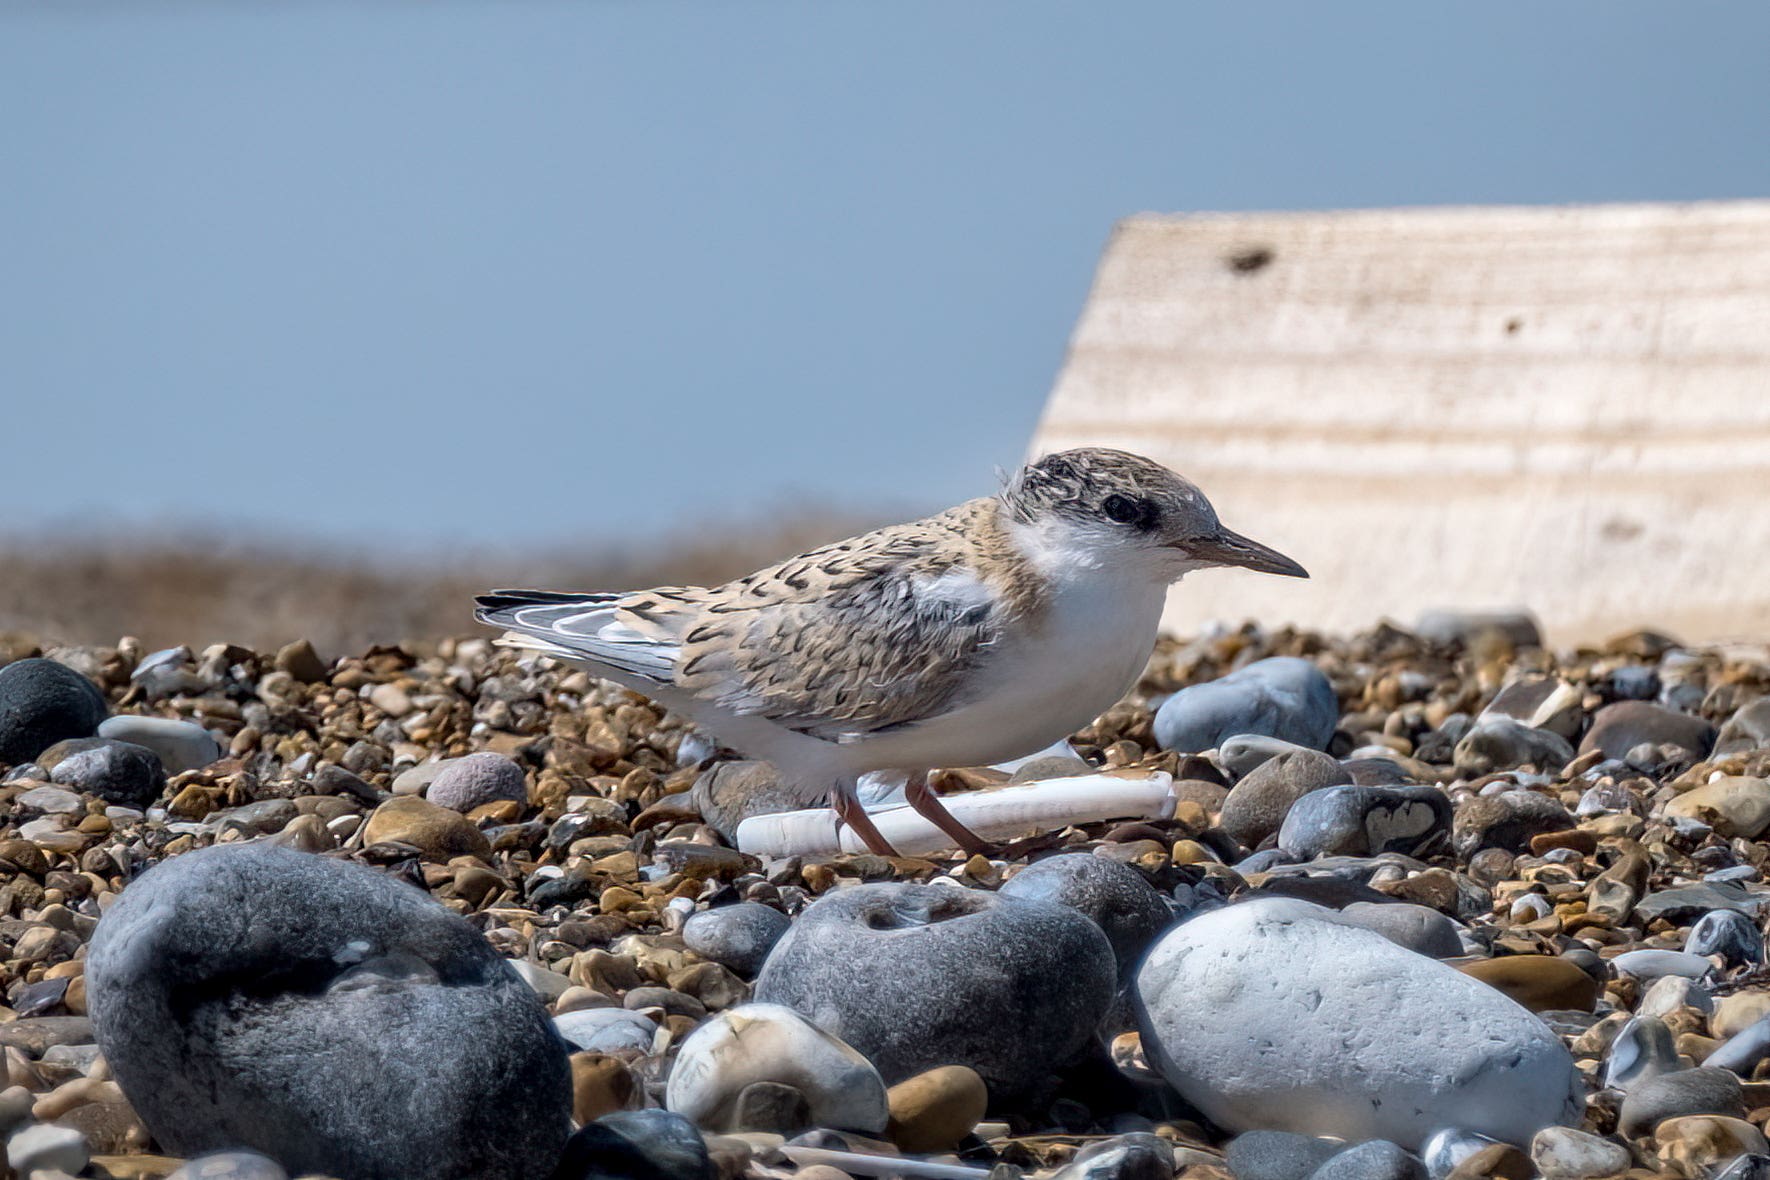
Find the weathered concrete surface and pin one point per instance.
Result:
(1567, 408)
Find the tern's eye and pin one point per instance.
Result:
(1129, 510)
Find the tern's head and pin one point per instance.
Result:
(1111, 507)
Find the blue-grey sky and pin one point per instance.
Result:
(510, 271)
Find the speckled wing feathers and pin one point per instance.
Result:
(856, 638)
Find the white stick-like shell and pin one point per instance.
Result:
(1001, 813)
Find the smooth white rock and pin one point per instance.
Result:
(1562, 1153)
(773, 1043)
(180, 745)
(603, 1030)
(1271, 1014)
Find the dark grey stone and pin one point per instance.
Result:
(1728, 933)
(41, 703)
(1672, 1095)
(1114, 896)
(461, 784)
(1419, 928)
(252, 996)
(637, 1145)
(1750, 1166)
(1257, 805)
(1507, 820)
(1619, 728)
(1500, 743)
(772, 1106)
(1687, 903)
(728, 793)
(1747, 730)
(1136, 1156)
(1282, 697)
(1516, 627)
(1374, 1159)
(230, 1165)
(1365, 821)
(116, 772)
(1632, 682)
(1277, 1155)
(915, 976)
(736, 936)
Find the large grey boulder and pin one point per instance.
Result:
(915, 976)
(326, 1015)
(1269, 1014)
(1114, 896)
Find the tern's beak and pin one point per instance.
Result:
(1227, 548)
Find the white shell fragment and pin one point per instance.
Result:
(1001, 813)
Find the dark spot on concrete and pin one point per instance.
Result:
(1254, 258)
(1513, 325)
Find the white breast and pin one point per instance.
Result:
(1092, 643)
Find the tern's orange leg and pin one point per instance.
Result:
(922, 797)
(850, 812)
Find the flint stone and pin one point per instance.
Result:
(1359, 1038)
(41, 703)
(1673, 1095)
(1364, 821)
(1138, 1156)
(1376, 1159)
(1115, 897)
(728, 793)
(1277, 1155)
(767, 1043)
(1747, 730)
(461, 784)
(1619, 728)
(1283, 697)
(915, 976)
(1257, 805)
(116, 772)
(230, 1165)
(1508, 820)
(1241, 754)
(247, 995)
(637, 1145)
(1500, 743)
(179, 745)
(736, 936)
(1419, 928)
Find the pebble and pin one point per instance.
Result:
(1650, 964)
(1500, 743)
(1747, 730)
(116, 772)
(1652, 1100)
(1375, 1159)
(1257, 805)
(1419, 928)
(1365, 821)
(728, 793)
(179, 745)
(1563, 1153)
(607, 1030)
(1240, 754)
(41, 703)
(438, 833)
(462, 784)
(768, 1043)
(736, 936)
(45, 1148)
(1619, 728)
(636, 1145)
(1277, 1155)
(1115, 897)
(1542, 983)
(230, 1165)
(918, 976)
(235, 964)
(1360, 1038)
(1282, 697)
(1698, 1143)
(935, 1109)
(1508, 820)
(1729, 934)
(1734, 806)
(1517, 628)
(1123, 1157)
(1742, 1051)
